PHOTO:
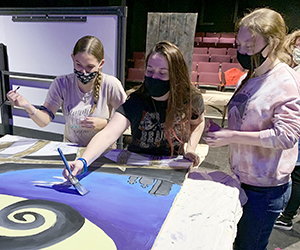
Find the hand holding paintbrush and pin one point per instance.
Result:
(6, 99)
(18, 100)
(72, 178)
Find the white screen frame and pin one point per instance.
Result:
(26, 46)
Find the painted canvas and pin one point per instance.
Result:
(39, 209)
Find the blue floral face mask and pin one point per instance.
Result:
(156, 87)
(85, 77)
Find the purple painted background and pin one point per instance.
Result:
(126, 212)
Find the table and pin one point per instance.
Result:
(128, 206)
(205, 213)
(214, 102)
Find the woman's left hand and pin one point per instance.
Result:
(218, 138)
(193, 157)
(94, 123)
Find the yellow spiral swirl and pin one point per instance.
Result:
(42, 224)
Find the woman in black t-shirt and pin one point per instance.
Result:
(164, 113)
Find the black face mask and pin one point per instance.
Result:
(245, 60)
(85, 78)
(156, 87)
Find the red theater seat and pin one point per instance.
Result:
(139, 63)
(138, 55)
(217, 51)
(210, 40)
(200, 57)
(195, 66)
(207, 45)
(200, 50)
(220, 58)
(231, 51)
(208, 67)
(197, 41)
(209, 80)
(227, 40)
(194, 78)
(225, 66)
(135, 74)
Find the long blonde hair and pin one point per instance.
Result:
(271, 26)
(92, 45)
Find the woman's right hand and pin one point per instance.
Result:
(76, 168)
(16, 99)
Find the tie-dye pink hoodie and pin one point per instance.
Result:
(270, 104)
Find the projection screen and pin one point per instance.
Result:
(40, 41)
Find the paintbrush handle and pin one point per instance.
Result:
(64, 160)
(6, 99)
(72, 178)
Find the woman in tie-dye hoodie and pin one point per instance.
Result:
(263, 126)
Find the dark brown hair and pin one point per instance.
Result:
(180, 101)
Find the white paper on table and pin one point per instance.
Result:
(126, 157)
(51, 149)
(19, 144)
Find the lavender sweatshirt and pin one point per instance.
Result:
(270, 104)
(76, 105)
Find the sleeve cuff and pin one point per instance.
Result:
(266, 138)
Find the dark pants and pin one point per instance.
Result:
(259, 214)
(294, 202)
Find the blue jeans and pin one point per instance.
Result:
(259, 214)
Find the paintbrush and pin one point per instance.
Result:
(72, 178)
(6, 99)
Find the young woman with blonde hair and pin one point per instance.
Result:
(164, 113)
(87, 97)
(263, 126)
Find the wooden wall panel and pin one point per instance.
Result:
(178, 28)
